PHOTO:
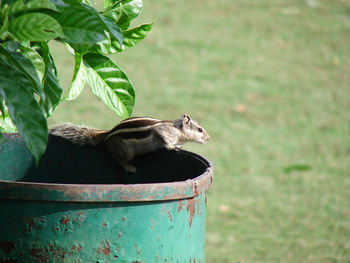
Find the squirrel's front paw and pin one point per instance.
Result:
(178, 148)
(130, 168)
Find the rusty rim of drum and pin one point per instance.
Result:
(110, 192)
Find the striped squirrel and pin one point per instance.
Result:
(135, 136)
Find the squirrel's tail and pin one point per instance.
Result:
(79, 135)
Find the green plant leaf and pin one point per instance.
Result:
(25, 6)
(52, 87)
(123, 11)
(113, 29)
(35, 27)
(53, 92)
(108, 24)
(23, 64)
(130, 38)
(92, 16)
(50, 83)
(119, 15)
(133, 36)
(132, 8)
(81, 48)
(43, 49)
(104, 47)
(123, 20)
(2, 108)
(24, 110)
(36, 60)
(79, 25)
(110, 4)
(12, 46)
(110, 84)
(4, 27)
(79, 78)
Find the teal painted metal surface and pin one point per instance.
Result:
(79, 206)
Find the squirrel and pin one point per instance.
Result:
(135, 136)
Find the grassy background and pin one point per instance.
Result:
(270, 81)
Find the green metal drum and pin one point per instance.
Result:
(78, 205)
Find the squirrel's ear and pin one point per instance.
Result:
(186, 120)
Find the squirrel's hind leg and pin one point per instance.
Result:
(125, 164)
(121, 153)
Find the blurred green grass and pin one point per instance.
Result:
(270, 81)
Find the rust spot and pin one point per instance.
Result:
(197, 188)
(29, 222)
(42, 255)
(123, 218)
(104, 224)
(77, 248)
(152, 224)
(138, 251)
(170, 217)
(106, 250)
(30, 225)
(179, 207)
(57, 252)
(136, 261)
(119, 235)
(191, 208)
(64, 220)
(33, 252)
(79, 217)
(7, 246)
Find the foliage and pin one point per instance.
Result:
(29, 87)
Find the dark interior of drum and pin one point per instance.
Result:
(66, 163)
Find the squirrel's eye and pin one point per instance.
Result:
(200, 129)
